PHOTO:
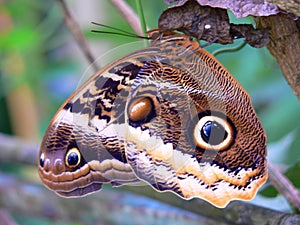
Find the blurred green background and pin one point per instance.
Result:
(41, 66)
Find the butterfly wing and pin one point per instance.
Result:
(83, 146)
(202, 137)
(169, 115)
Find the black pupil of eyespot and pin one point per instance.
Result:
(213, 133)
(73, 159)
(42, 161)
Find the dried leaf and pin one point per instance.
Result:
(237, 7)
(210, 24)
(257, 38)
(201, 22)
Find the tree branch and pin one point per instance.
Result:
(284, 186)
(16, 150)
(237, 212)
(106, 207)
(291, 6)
(77, 34)
(129, 15)
(285, 46)
(94, 208)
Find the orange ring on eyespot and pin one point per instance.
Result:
(73, 158)
(202, 143)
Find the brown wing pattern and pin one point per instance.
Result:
(169, 115)
(165, 152)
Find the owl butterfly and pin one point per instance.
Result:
(169, 115)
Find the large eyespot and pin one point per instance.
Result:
(141, 110)
(212, 132)
(42, 160)
(73, 158)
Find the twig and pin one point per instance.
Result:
(15, 150)
(24, 152)
(113, 206)
(105, 207)
(129, 15)
(140, 12)
(236, 213)
(284, 186)
(78, 35)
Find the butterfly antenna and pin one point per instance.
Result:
(116, 31)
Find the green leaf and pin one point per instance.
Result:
(269, 191)
(293, 174)
(19, 38)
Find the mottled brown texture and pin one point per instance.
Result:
(197, 85)
(285, 46)
(191, 19)
(184, 83)
(210, 24)
(291, 6)
(237, 7)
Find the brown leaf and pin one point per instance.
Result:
(257, 38)
(209, 24)
(237, 7)
(201, 22)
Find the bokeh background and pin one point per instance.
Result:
(41, 65)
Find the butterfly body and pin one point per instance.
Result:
(169, 115)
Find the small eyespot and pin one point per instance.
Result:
(42, 160)
(73, 158)
(141, 110)
(154, 35)
(212, 132)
